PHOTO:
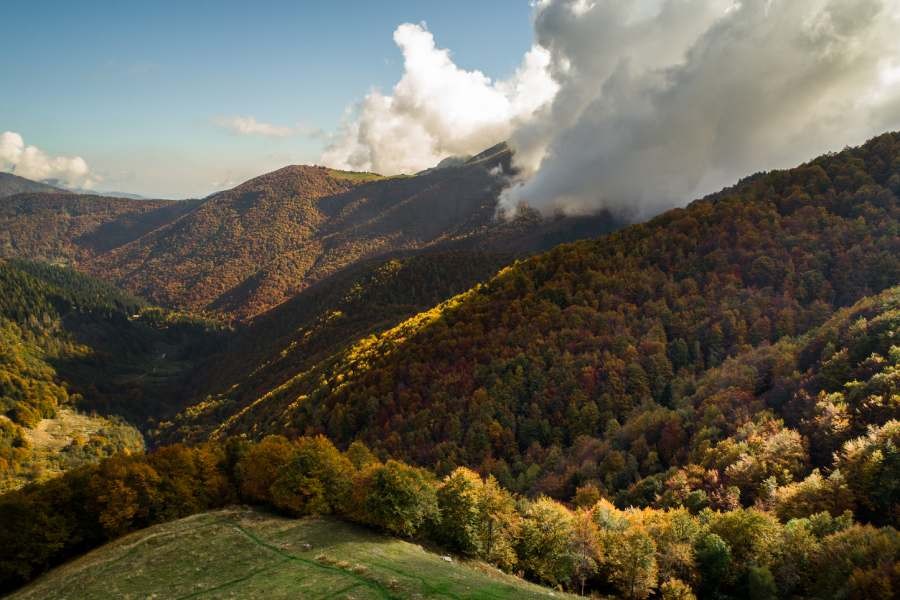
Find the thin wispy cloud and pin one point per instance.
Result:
(250, 126)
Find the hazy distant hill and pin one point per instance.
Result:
(13, 184)
(71, 228)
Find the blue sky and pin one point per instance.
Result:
(135, 88)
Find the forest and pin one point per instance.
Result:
(612, 362)
(585, 545)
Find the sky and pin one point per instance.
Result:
(143, 91)
(631, 107)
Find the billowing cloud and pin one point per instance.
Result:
(437, 110)
(661, 101)
(248, 125)
(31, 162)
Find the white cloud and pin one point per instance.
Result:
(32, 163)
(662, 101)
(248, 125)
(437, 110)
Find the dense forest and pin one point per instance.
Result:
(63, 228)
(587, 546)
(602, 349)
(71, 342)
(368, 298)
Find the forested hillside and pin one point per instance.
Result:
(596, 352)
(70, 343)
(70, 228)
(369, 298)
(246, 250)
(13, 184)
(243, 251)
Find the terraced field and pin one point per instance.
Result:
(242, 553)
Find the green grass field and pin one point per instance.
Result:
(241, 553)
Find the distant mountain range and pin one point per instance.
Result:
(242, 251)
(11, 184)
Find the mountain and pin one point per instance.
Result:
(240, 252)
(109, 194)
(71, 229)
(362, 300)
(224, 550)
(245, 250)
(595, 350)
(11, 185)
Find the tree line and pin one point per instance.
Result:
(587, 545)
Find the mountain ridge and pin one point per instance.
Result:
(12, 184)
(240, 252)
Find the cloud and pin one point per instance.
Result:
(33, 163)
(250, 126)
(437, 110)
(662, 101)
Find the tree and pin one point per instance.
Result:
(261, 465)
(713, 562)
(397, 497)
(458, 500)
(499, 525)
(316, 481)
(871, 467)
(675, 589)
(124, 494)
(587, 495)
(761, 584)
(629, 559)
(815, 494)
(545, 545)
(585, 547)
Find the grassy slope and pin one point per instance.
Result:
(246, 554)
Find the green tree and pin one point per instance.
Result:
(499, 524)
(713, 562)
(397, 497)
(629, 558)
(545, 545)
(317, 480)
(261, 465)
(458, 500)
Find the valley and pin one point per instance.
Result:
(681, 389)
